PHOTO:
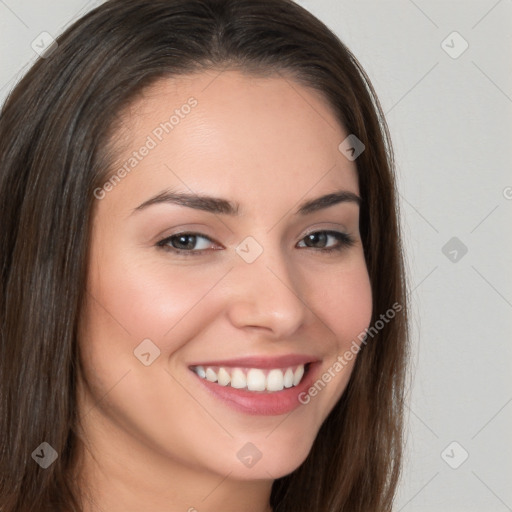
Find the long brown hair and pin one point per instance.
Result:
(54, 129)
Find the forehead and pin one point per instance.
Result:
(233, 134)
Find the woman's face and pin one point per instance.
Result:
(247, 300)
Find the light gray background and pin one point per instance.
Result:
(450, 121)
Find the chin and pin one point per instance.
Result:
(264, 460)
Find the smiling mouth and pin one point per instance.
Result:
(269, 380)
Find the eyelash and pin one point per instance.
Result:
(344, 241)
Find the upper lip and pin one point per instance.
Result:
(262, 361)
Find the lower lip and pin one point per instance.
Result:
(259, 402)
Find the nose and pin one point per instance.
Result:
(266, 294)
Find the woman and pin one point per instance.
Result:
(203, 299)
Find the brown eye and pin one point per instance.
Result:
(185, 244)
(322, 238)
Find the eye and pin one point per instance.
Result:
(187, 243)
(183, 243)
(320, 237)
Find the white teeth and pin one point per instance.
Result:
(238, 379)
(252, 379)
(256, 380)
(288, 378)
(275, 380)
(211, 375)
(297, 376)
(224, 377)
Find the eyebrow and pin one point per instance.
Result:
(217, 205)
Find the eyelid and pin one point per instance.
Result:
(163, 242)
(344, 241)
(322, 226)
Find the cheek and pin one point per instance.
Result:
(344, 301)
(149, 299)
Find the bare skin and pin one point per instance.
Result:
(156, 438)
